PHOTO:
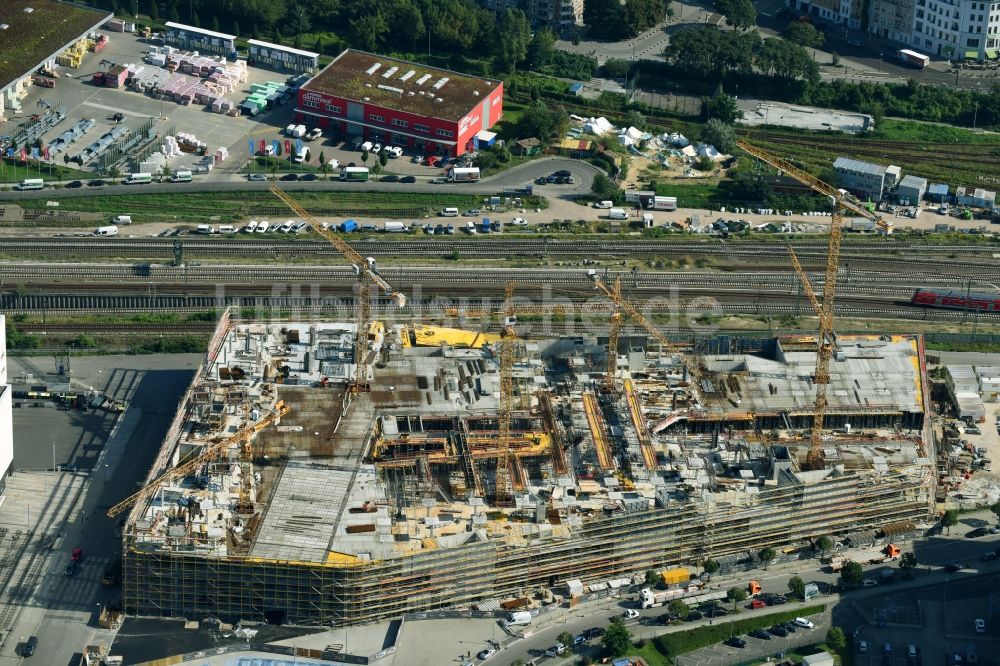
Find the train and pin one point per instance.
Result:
(956, 300)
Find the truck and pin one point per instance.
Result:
(873, 555)
(663, 203)
(485, 227)
(347, 226)
(649, 598)
(524, 189)
(463, 175)
(912, 58)
(106, 403)
(354, 174)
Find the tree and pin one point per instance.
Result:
(565, 638)
(604, 188)
(797, 587)
(804, 34)
(783, 59)
(767, 556)
(617, 639)
(513, 33)
(364, 156)
(604, 18)
(720, 107)
(154, 11)
(907, 562)
(615, 68)
(736, 595)
(641, 15)
(538, 120)
(322, 158)
(995, 508)
(540, 49)
(679, 608)
(836, 639)
(852, 574)
(949, 519)
(383, 157)
(376, 169)
(215, 24)
(652, 577)
(297, 19)
(710, 566)
(740, 14)
(485, 160)
(366, 32)
(719, 134)
(502, 154)
(824, 544)
(636, 120)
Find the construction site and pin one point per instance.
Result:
(290, 497)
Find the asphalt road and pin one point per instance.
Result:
(515, 177)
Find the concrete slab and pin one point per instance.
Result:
(757, 112)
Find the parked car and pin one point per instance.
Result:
(73, 184)
(257, 177)
(290, 176)
(519, 222)
(487, 653)
(97, 182)
(803, 622)
(778, 630)
(869, 582)
(630, 614)
(976, 533)
(555, 650)
(736, 642)
(980, 626)
(989, 555)
(438, 181)
(309, 176)
(952, 567)
(756, 604)
(472, 212)
(593, 633)
(694, 615)
(389, 178)
(863, 646)
(408, 179)
(761, 634)
(579, 639)
(71, 568)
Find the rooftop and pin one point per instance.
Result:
(33, 36)
(280, 47)
(401, 86)
(857, 166)
(915, 182)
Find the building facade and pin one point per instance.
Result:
(401, 103)
(953, 29)
(911, 190)
(560, 16)
(283, 58)
(190, 38)
(6, 414)
(840, 12)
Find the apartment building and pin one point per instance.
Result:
(560, 16)
(840, 12)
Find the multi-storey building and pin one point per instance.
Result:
(864, 178)
(561, 16)
(6, 416)
(841, 12)
(401, 103)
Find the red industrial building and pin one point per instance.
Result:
(401, 103)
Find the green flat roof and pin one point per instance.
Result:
(32, 37)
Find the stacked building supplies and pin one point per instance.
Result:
(153, 164)
(221, 155)
(170, 147)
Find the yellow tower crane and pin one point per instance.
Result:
(825, 338)
(508, 341)
(368, 274)
(209, 452)
(614, 330)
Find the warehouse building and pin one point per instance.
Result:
(283, 58)
(989, 382)
(400, 103)
(357, 507)
(937, 193)
(911, 190)
(6, 405)
(963, 388)
(864, 178)
(975, 197)
(190, 38)
(32, 34)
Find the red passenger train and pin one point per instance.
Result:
(956, 300)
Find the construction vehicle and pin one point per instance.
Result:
(107, 403)
(840, 200)
(207, 453)
(754, 588)
(873, 555)
(650, 598)
(367, 272)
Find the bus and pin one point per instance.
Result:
(138, 179)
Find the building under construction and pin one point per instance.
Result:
(298, 500)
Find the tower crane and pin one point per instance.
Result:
(614, 329)
(508, 340)
(614, 295)
(209, 452)
(825, 337)
(367, 272)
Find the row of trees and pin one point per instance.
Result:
(611, 19)
(711, 54)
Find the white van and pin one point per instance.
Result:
(122, 219)
(604, 204)
(617, 214)
(301, 156)
(290, 129)
(31, 184)
(449, 212)
(206, 229)
(519, 618)
(138, 179)
(106, 231)
(227, 229)
(181, 176)
(263, 226)
(250, 228)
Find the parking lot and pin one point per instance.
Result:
(83, 99)
(721, 654)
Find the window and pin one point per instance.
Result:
(400, 123)
(972, 43)
(421, 128)
(332, 109)
(376, 118)
(311, 103)
(445, 133)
